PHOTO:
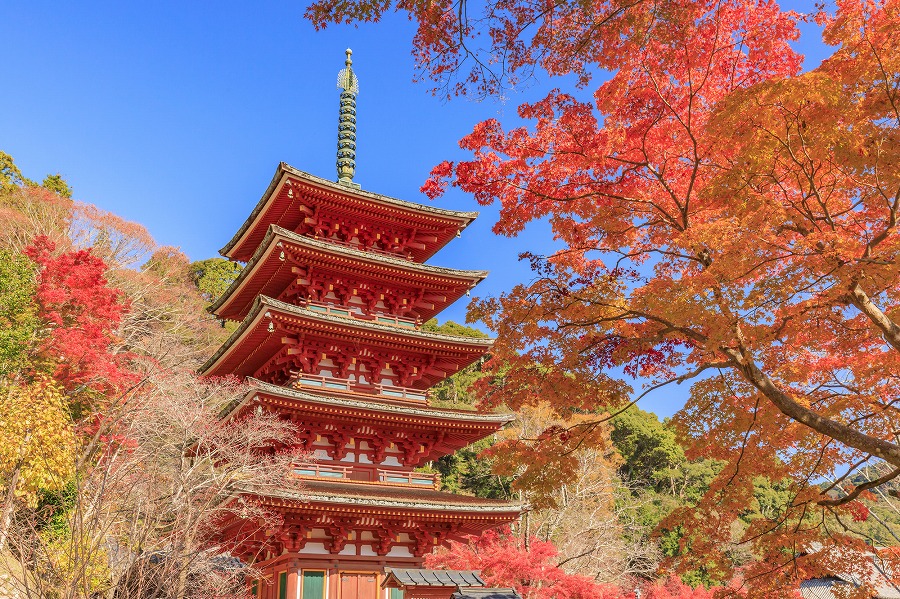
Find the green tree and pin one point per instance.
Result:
(465, 472)
(18, 311)
(648, 447)
(213, 276)
(57, 185)
(453, 392)
(10, 175)
(453, 328)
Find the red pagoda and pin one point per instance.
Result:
(330, 304)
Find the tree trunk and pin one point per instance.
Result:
(6, 519)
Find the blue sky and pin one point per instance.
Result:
(175, 115)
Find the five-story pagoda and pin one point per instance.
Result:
(330, 302)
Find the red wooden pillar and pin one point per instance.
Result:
(293, 580)
(265, 585)
(334, 583)
(271, 577)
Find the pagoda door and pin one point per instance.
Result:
(359, 585)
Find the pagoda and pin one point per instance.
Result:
(330, 304)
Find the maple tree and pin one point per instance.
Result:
(504, 561)
(80, 314)
(725, 222)
(100, 331)
(673, 588)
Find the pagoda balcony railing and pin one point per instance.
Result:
(333, 310)
(401, 477)
(425, 479)
(322, 470)
(362, 248)
(318, 381)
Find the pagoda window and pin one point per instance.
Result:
(322, 471)
(391, 460)
(313, 584)
(399, 550)
(282, 585)
(393, 594)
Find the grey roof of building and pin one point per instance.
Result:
(275, 230)
(434, 578)
(283, 169)
(820, 588)
(823, 588)
(470, 593)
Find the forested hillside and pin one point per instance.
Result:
(102, 330)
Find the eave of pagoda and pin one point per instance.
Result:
(375, 498)
(277, 341)
(333, 515)
(299, 201)
(422, 434)
(289, 267)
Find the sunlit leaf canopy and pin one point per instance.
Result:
(727, 223)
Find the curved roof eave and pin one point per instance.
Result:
(258, 386)
(275, 231)
(465, 218)
(263, 301)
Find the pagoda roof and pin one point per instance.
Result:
(438, 431)
(376, 495)
(260, 343)
(275, 207)
(268, 274)
(419, 577)
(360, 403)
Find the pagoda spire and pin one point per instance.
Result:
(346, 154)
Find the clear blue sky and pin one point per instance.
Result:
(175, 115)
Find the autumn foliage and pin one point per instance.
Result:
(505, 561)
(80, 314)
(99, 405)
(726, 222)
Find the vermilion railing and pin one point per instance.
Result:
(321, 470)
(424, 479)
(410, 478)
(390, 391)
